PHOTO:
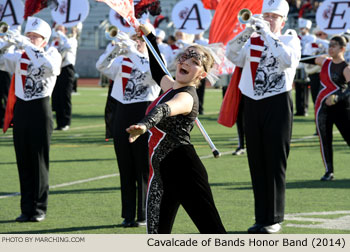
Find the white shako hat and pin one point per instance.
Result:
(160, 34)
(280, 7)
(38, 26)
(304, 23)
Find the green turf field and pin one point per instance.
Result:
(85, 189)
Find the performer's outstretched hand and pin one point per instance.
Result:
(135, 131)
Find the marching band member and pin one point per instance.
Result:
(177, 174)
(301, 80)
(333, 100)
(126, 62)
(268, 61)
(35, 75)
(62, 93)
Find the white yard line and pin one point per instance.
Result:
(67, 184)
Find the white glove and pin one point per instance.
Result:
(17, 39)
(261, 26)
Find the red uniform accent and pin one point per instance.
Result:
(156, 101)
(255, 53)
(127, 70)
(12, 97)
(10, 105)
(328, 85)
(230, 104)
(155, 137)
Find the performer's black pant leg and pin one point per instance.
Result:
(240, 126)
(324, 122)
(133, 159)
(62, 96)
(32, 133)
(268, 125)
(200, 92)
(256, 158)
(301, 98)
(193, 192)
(315, 85)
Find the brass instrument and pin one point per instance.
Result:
(244, 16)
(4, 27)
(111, 32)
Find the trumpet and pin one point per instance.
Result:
(111, 32)
(4, 27)
(244, 16)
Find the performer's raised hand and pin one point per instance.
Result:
(261, 26)
(17, 39)
(135, 131)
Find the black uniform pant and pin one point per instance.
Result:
(200, 93)
(132, 158)
(32, 128)
(240, 125)
(109, 109)
(62, 96)
(338, 114)
(301, 98)
(5, 81)
(268, 128)
(315, 85)
(185, 182)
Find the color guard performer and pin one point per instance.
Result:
(333, 101)
(177, 174)
(35, 75)
(268, 61)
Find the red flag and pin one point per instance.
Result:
(34, 6)
(210, 4)
(225, 25)
(230, 104)
(10, 105)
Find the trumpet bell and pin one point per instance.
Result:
(244, 15)
(4, 27)
(111, 32)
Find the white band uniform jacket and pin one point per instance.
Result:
(67, 47)
(275, 71)
(140, 86)
(40, 75)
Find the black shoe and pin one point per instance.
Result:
(255, 229)
(271, 229)
(23, 218)
(38, 217)
(327, 176)
(127, 224)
